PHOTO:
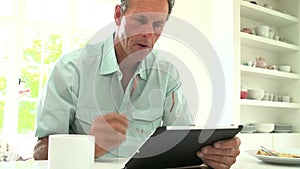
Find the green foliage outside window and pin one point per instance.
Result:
(1, 114)
(2, 85)
(30, 75)
(2, 94)
(38, 59)
(34, 53)
(27, 115)
(53, 48)
(34, 72)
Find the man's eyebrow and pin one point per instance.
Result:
(160, 21)
(157, 19)
(141, 16)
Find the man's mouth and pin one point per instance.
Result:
(143, 45)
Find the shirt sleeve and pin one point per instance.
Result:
(176, 107)
(56, 108)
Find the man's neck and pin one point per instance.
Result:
(128, 68)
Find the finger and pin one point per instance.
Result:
(216, 165)
(230, 143)
(111, 139)
(108, 141)
(233, 152)
(226, 160)
(113, 120)
(118, 118)
(120, 129)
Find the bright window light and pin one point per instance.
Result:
(33, 35)
(7, 8)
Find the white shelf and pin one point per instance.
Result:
(262, 43)
(267, 73)
(258, 103)
(252, 15)
(266, 15)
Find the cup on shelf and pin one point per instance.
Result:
(286, 99)
(271, 96)
(275, 98)
(250, 63)
(277, 37)
(264, 31)
(255, 94)
(253, 2)
(267, 6)
(285, 68)
(266, 97)
(280, 98)
(264, 127)
(271, 34)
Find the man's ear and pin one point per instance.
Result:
(118, 15)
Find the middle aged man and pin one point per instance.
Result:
(120, 90)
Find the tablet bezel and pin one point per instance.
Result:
(183, 142)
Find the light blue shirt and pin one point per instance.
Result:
(87, 83)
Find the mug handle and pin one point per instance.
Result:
(271, 30)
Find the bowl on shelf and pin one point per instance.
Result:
(285, 68)
(264, 127)
(248, 128)
(244, 94)
(283, 128)
(255, 94)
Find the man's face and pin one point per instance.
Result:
(141, 25)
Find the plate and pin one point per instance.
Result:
(282, 131)
(278, 160)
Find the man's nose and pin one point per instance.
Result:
(147, 30)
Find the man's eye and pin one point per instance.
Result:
(141, 20)
(158, 25)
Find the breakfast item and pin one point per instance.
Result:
(247, 30)
(280, 154)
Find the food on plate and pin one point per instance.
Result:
(280, 154)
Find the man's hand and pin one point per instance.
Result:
(41, 149)
(109, 131)
(222, 154)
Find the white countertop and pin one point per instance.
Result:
(244, 161)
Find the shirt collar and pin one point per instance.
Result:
(142, 70)
(109, 62)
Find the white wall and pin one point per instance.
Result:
(223, 40)
(214, 19)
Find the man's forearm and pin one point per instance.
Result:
(41, 149)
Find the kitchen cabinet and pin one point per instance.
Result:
(283, 17)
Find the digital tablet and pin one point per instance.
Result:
(176, 146)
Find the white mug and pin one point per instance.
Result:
(71, 151)
(286, 99)
(265, 31)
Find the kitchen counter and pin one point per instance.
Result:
(244, 161)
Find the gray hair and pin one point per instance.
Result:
(124, 5)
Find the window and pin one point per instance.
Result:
(32, 39)
(7, 8)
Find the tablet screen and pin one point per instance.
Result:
(176, 146)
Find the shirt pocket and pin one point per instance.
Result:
(145, 121)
